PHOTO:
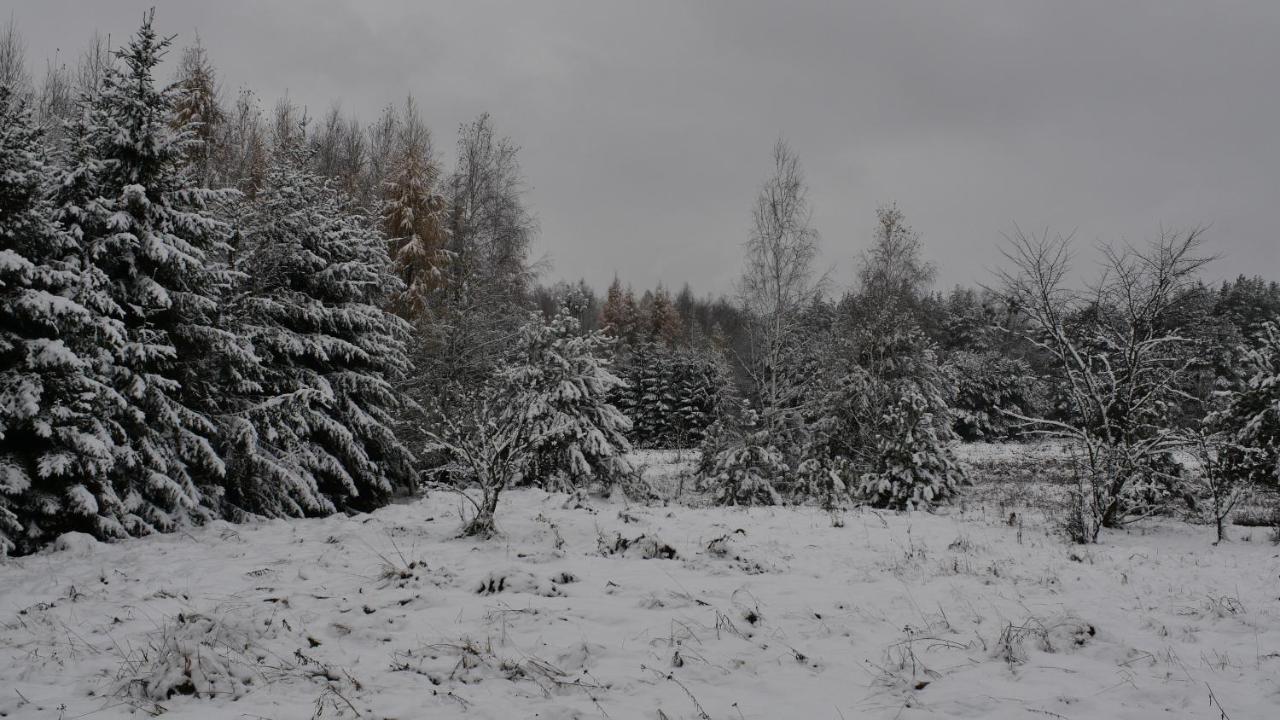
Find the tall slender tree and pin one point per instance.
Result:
(779, 281)
(414, 214)
(150, 230)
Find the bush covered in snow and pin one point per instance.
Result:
(204, 655)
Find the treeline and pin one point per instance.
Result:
(797, 393)
(208, 309)
(700, 343)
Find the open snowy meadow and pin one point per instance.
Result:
(392, 360)
(604, 609)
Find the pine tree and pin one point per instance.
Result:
(55, 436)
(989, 386)
(413, 216)
(563, 377)
(1251, 419)
(914, 467)
(613, 320)
(742, 464)
(317, 436)
(882, 426)
(129, 200)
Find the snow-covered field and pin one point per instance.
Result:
(616, 611)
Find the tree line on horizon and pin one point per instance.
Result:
(209, 310)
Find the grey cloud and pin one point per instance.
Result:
(646, 126)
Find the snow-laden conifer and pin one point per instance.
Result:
(564, 377)
(129, 199)
(55, 445)
(317, 435)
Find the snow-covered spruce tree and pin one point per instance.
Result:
(884, 424)
(56, 440)
(699, 378)
(671, 394)
(882, 427)
(317, 435)
(1251, 418)
(578, 436)
(741, 464)
(989, 387)
(771, 455)
(128, 198)
(635, 365)
(913, 465)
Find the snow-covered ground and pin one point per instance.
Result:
(616, 611)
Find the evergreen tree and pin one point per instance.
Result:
(742, 464)
(543, 419)
(989, 387)
(883, 426)
(563, 378)
(671, 394)
(613, 319)
(317, 435)
(913, 467)
(56, 439)
(149, 230)
(1251, 420)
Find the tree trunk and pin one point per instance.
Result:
(483, 525)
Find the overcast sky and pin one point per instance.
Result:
(646, 127)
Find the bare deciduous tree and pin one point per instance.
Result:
(56, 100)
(1118, 360)
(778, 282)
(489, 225)
(13, 60)
(1221, 489)
(93, 64)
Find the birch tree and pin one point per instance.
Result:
(778, 282)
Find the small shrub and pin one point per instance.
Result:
(201, 655)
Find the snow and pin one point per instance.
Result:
(76, 544)
(625, 611)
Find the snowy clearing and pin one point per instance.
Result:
(617, 611)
